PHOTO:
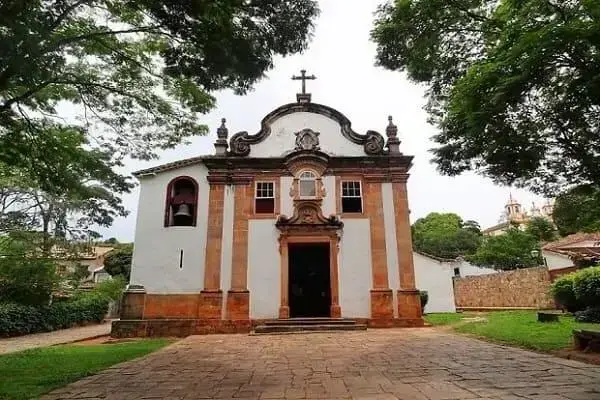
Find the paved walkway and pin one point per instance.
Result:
(19, 343)
(408, 364)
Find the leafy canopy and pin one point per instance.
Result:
(445, 235)
(118, 261)
(578, 210)
(511, 250)
(514, 85)
(542, 229)
(128, 77)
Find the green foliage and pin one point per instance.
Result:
(137, 74)
(586, 285)
(445, 235)
(29, 374)
(111, 288)
(564, 293)
(424, 296)
(77, 275)
(19, 319)
(541, 229)
(591, 314)
(508, 251)
(118, 262)
(513, 85)
(25, 280)
(578, 210)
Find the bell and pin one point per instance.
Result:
(183, 211)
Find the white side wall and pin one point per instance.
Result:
(556, 261)
(282, 139)
(328, 206)
(355, 280)
(157, 248)
(286, 202)
(391, 248)
(264, 269)
(227, 244)
(436, 278)
(467, 269)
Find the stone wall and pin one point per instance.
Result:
(527, 288)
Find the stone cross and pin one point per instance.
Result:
(303, 78)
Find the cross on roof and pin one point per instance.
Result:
(303, 78)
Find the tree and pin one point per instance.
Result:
(136, 73)
(514, 86)
(542, 229)
(578, 210)
(445, 235)
(118, 262)
(511, 250)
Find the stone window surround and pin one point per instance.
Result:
(169, 197)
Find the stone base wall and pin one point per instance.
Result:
(523, 288)
(187, 327)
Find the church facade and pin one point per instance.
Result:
(306, 218)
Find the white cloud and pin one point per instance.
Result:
(342, 58)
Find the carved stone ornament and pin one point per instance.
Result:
(372, 142)
(308, 213)
(307, 139)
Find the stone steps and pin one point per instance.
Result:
(308, 325)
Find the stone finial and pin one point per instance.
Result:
(393, 143)
(221, 143)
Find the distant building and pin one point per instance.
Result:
(515, 215)
(92, 258)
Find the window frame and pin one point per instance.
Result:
(168, 217)
(273, 196)
(361, 196)
(315, 179)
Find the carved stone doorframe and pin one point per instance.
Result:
(332, 239)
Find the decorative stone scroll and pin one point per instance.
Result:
(307, 213)
(372, 142)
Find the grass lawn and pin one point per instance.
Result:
(519, 328)
(30, 373)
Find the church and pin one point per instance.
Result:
(304, 219)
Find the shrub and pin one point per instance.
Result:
(26, 281)
(19, 319)
(592, 314)
(112, 288)
(586, 285)
(564, 293)
(424, 295)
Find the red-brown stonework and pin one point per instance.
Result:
(214, 237)
(132, 305)
(409, 304)
(238, 305)
(382, 304)
(374, 209)
(211, 304)
(177, 327)
(171, 306)
(527, 288)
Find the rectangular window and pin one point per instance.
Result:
(351, 197)
(264, 201)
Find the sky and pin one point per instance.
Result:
(343, 59)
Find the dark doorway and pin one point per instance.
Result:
(309, 281)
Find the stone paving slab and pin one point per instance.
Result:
(61, 336)
(387, 364)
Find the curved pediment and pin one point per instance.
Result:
(314, 123)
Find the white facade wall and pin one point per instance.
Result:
(286, 201)
(282, 140)
(264, 269)
(157, 248)
(436, 278)
(354, 264)
(556, 261)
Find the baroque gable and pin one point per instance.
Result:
(306, 126)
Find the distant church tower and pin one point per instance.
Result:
(514, 211)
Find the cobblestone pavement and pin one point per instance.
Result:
(416, 364)
(51, 338)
